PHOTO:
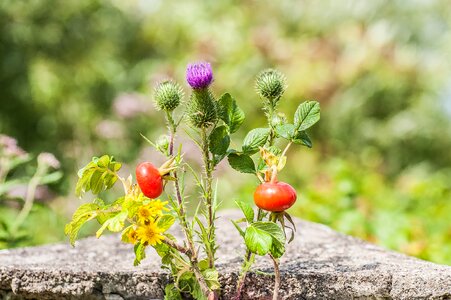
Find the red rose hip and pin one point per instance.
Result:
(149, 180)
(275, 197)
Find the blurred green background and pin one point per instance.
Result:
(76, 77)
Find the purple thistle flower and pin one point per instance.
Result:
(199, 75)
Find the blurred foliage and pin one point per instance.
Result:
(75, 76)
(18, 192)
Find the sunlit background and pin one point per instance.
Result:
(76, 80)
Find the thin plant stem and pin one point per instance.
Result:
(191, 250)
(275, 295)
(208, 197)
(29, 197)
(250, 257)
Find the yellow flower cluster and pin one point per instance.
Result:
(146, 229)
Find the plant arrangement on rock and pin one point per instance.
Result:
(144, 219)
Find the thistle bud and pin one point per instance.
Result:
(271, 84)
(199, 75)
(168, 95)
(202, 108)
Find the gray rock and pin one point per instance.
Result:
(319, 264)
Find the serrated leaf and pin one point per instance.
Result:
(302, 138)
(307, 114)
(165, 222)
(114, 224)
(219, 140)
(212, 278)
(286, 131)
(277, 249)
(230, 113)
(242, 163)
(257, 241)
(247, 210)
(140, 253)
(83, 214)
(273, 229)
(254, 139)
(100, 174)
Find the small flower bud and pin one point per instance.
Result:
(199, 75)
(163, 144)
(271, 84)
(278, 119)
(168, 95)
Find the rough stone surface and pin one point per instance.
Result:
(319, 264)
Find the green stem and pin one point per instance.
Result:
(29, 197)
(191, 251)
(208, 197)
(246, 266)
(250, 257)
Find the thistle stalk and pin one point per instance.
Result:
(208, 197)
(191, 250)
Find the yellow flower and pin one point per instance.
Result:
(132, 236)
(158, 207)
(145, 213)
(150, 234)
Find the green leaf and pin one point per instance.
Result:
(286, 131)
(277, 249)
(115, 224)
(307, 114)
(247, 210)
(271, 228)
(230, 113)
(254, 139)
(140, 253)
(171, 292)
(51, 178)
(257, 241)
(242, 163)
(165, 222)
(219, 140)
(97, 176)
(238, 228)
(302, 138)
(83, 214)
(212, 278)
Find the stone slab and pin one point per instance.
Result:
(319, 264)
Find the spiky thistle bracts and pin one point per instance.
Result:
(199, 75)
(168, 95)
(202, 109)
(271, 84)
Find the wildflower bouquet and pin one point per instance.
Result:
(144, 219)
